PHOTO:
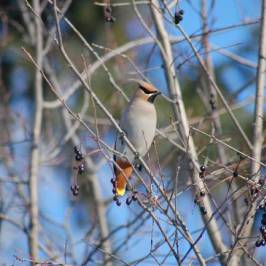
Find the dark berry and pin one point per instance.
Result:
(246, 201)
(78, 157)
(110, 19)
(128, 201)
(81, 169)
(118, 202)
(115, 198)
(213, 107)
(203, 210)
(202, 193)
(263, 229)
(74, 187)
(241, 157)
(263, 221)
(178, 17)
(262, 206)
(262, 182)
(134, 197)
(212, 102)
(202, 168)
(263, 242)
(139, 166)
(75, 190)
(113, 181)
(201, 175)
(254, 191)
(108, 9)
(181, 12)
(235, 174)
(255, 195)
(76, 149)
(114, 191)
(258, 243)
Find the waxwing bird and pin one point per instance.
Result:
(138, 121)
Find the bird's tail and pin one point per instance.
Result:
(122, 176)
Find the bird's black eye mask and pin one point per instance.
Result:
(145, 90)
(153, 96)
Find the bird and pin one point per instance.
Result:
(138, 122)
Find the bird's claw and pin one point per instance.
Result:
(137, 162)
(122, 135)
(139, 166)
(136, 154)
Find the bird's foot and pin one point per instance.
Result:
(122, 136)
(136, 154)
(139, 166)
(137, 162)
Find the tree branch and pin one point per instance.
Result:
(35, 152)
(246, 228)
(180, 115)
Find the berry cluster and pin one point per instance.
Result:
(80, 168)
(198, 198)
(261, 182)
(202, 171)
(203, 210)
(255, 188)
(262, 241)
(78, 154)
(254, 191)
(132, 198)
(108, 14)
(75, 189)
(115, 197)
(235, 173)
(198, 201)
(178, 16)
(212, 102)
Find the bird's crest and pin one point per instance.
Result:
(146, 87)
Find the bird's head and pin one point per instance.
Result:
(146, 91)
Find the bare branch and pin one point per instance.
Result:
(35, 153)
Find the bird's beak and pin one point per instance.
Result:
(153, 96)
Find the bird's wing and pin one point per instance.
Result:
(124, 169)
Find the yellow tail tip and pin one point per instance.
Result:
(120, 191)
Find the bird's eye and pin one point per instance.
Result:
(145, 90)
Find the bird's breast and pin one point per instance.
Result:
(140, 125)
